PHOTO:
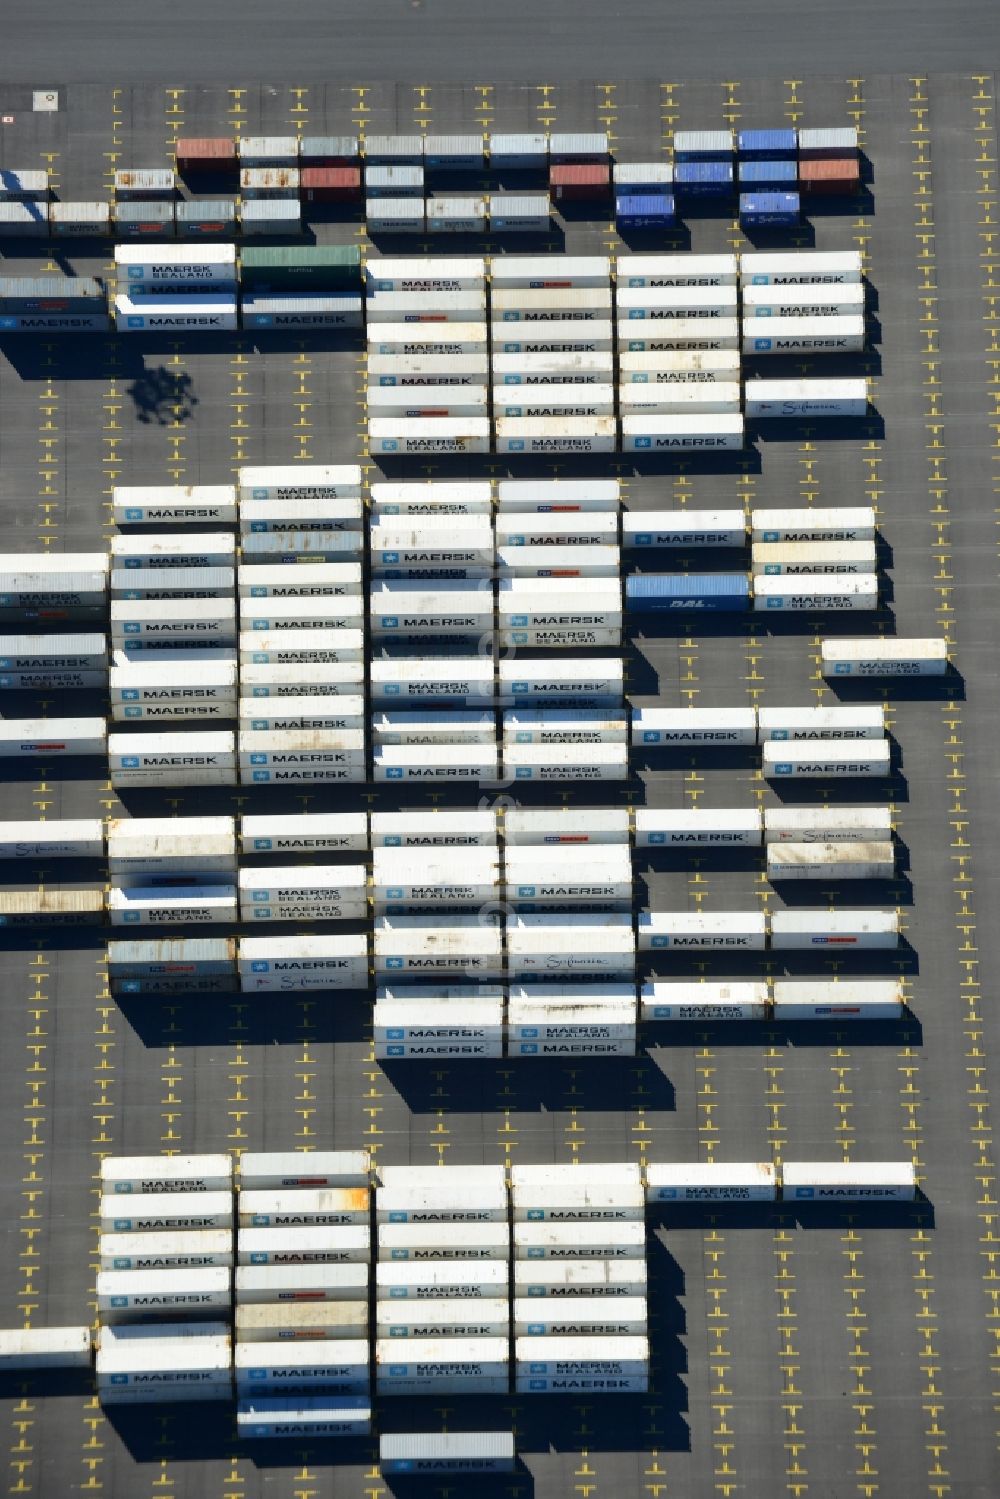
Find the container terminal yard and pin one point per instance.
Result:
(818, 1334)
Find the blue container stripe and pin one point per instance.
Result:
(767, 142)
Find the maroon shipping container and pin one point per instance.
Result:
(579, 180)
(331, 184)
(831, 174)
(206, 153)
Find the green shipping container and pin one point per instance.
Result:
(300, 267)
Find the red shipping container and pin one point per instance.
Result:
(331, 184)
(833, 174)
(206, 153)
(579, 180)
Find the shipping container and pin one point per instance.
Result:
(841, 929)
(165, 1369)
(269, 182)
(297, 963)
(266, 1207)
(679, 399)
(433, 829)
(18, 184)
(456, 681)
(172, 583)
(315, 1245)
(801, 268)
(414, 371)
(645, 210)
(579, 1316)
(683, 528)
(564, 726)
(555, 434)
(80, 220)
(553, 400)
(830, 1181)
(154, 1212)
(834, 523)
(561, 336)
(642, 176)
(443, 1241)
(463, 763)
(455, 152)
(559, 603)
(435, 609)
(574, 1278)
(519, 152)
(446, 1452)
(152, 688)
(403, 879)
(292, 654)
(441, 1280)
(303, 1416)
(432, 728)
(301, 310)
(529, 682)
(189, 749)
(449, 1028)
(564, 1199)
(456, 215)
(703, 179)
(47, 907)
(49, 737)
(307, 832)
(671, 302)
(267, 150)
(80, 838)
(701, 929)
(711, 1181)
(287, 1284)
(803, 760)
(550, 302)
(774, 559)
(330, 184)
(572, 182)
(480, 1317)
(658, 592)
(426, 946)
(673, 335)
(395, 215)
(758, 209)
(393, 149)
(303, 891)
(703, 726)
(124, 1295)
(803, 399)
(556, 561)
(266, 1322)
(565, 826)
(319, 268)
(777, 178)
(555, 877)
(651, 433)
(834, 861)
(23, 1349)
(698, 827)
(467, 434)
(575, 945)
(545, 370)
(526, 213)
(565, 762)
(705, 1000)
(339, 1366)
(170, 905)
(49, 654)
(206, 219)
(270, 216)
(426, 401)
(30, 220)
(431, 499)
(555, 496)
(703, 145)
(182, 1249)
(149, 845)
(836, 824)
(857, 721)
(883, 657)
(442, 1366)
(798, 334)
(189, 314)
(180, 958)
(555, 1364)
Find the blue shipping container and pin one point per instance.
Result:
(651, 211)
(765, 143)
(770, 208)
(782, 173)
(703, 177)
(654, 593)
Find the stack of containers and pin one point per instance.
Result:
(172, 287)
(552, 318)
(269, 184)
(703, 166)
(579, 168)
(24, 203)
(442, 1311)
(448, 158)
(144, 203)
(678, 342)
(805, 560)
(644, 197)
(768, 177)
(330, 170)
(301, 286)
(172, 605)
(580, 1315)
(436, 861)
(52, 304)
(302, 1285)
(829, 160)
(305, 515)
(394, 184)
(54, 588)
(207, 161)
(165, 870)
(520, 162)
(431, 594)
(805, 301)
(164, 1288)
(419, 310)
(173, 602)
(172, 965)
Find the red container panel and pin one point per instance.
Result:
(206, 152)
(330, 184)
(833, 174)
(579, 180)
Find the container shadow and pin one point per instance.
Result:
(518, 1482)
(208, 1020)
(950, 686)
(777, 237)
(524, 1084)
(754, 1034)
(41, 1384)
(867, 428)
(873, 1215)
(670, 241)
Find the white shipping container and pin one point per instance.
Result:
(430, 728)
(683, 528)
(424, 274)
(149, 1212)
(190, 549)
(653, 433)
(416, 370)
(836, 824)
(433, 829)
(272, 615)
(867, 758)
(425, 946)
(564, 726)
(304, 580)
(426, 400)
(146, 845)
(277, 1169)
(833, 523)
(81, 838)
(312, 832)
(554, 496)
(817, 592)
(440, 339)
(792, 268)
(191, 749)
(565, 826)
(807, 300)
(701, 929)
(579, 1358)
(478, 1317)
(263, 679)
(432, 498)
(575, 945)
(466, 305)
(680, 399)
(338, 1366)
(778, 559)
(297, 963)
(567, 1200)
(890, 657)
(170, 905)
(832, 1181)
(550, 271)
(309, 1416)
(555, 434)
(672, 302)
(711, 1181)
(175, 504)
(441, 1280)
(442, 1366)
(465, 876)
(854, 721)
(290, 886)
(563, 603)
(667, 335)
(703, 726)
(447, 1241)
(595, 1172)
(586, 1316)
(575, 1278)
(465, 763)
(676, 270)
(185, 313)
(556, 336)
(835, 861)
(541, 369)
(841, 929)
(521, 304)
(267, 1322)
(123, 1295)
(708, 826)
(304, 712)
(709, 1000)
(287, 1284)
(556, 528)
(27, 1348)
(277, 748)
(186, 1173)
(466, 434)
(679, 367)
(157, 1369)
(838, 999)
(553, 400)
(557, 876)
(335, 647)
(801, 399)
(799, 334)
(316, 1245)
(50, 737)
(458, 680)
(449, 1452)
(334, 1207)
(183, 1248)
(579, 683)
(565, 762)
(149, 623)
